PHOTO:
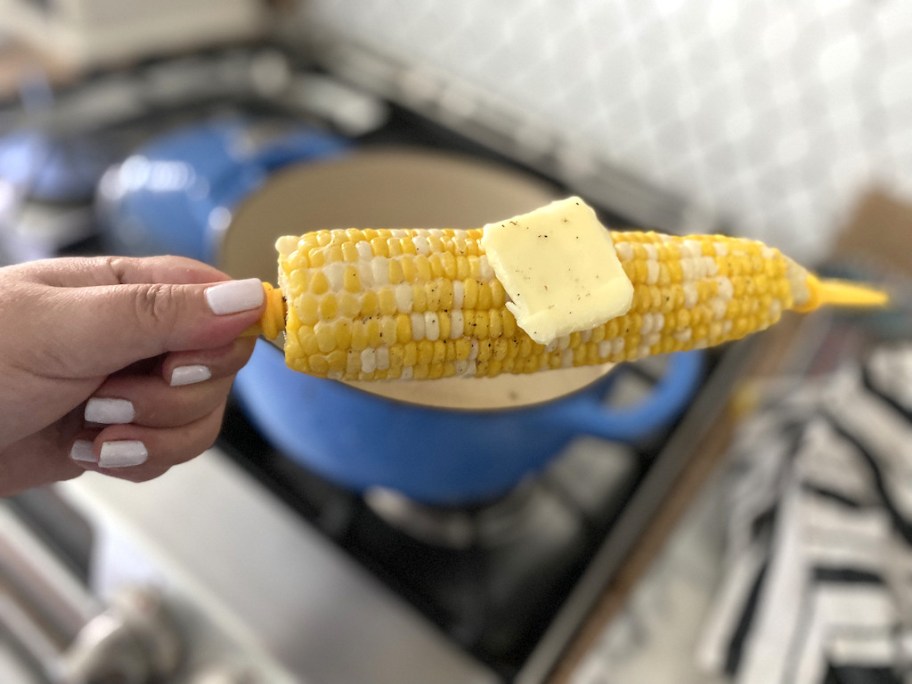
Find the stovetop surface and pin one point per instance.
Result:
(494, 586)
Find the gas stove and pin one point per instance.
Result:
(267, 572)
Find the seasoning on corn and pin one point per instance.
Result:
(425, 303)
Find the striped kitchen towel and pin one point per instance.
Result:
(817, 585)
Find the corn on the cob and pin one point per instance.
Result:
(424, 304)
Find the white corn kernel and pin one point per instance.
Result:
(710, 267)
(458, 294)
(335, 272)
(431, 326)
(652, 271)
(421, 245)
(417, 326)
(368, 360)
(718, 308)
(457, 324)
(380, 270)
(690, 295)
(687, 268)
(646, 328)
(404, 297)
(487, 273)
(365, 253)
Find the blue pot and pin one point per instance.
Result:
(176, 195)
(438, 456)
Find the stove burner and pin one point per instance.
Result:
(455, 528)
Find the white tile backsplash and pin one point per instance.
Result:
(774, 115)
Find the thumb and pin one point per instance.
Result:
(112, 326)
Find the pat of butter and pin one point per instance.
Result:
(559, 268)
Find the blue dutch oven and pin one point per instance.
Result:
(176, 194)
(444, 442)
(433, 455)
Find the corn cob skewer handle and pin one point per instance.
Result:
(417, 304)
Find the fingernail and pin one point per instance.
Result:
(235, 296)
(122, 454)
(82, 451)
(109, 411)
(187, 375)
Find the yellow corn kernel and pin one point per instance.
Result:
(307, 310)
(410, 354)
(419, 298)
(433, 295)
(470, 296)
(336, 360)
(396, 275)
(403, 328)
(379, 247)
(389, 330)
(326, 337)
(319, 283)
(349, 305)
(372, 328)
(359, 335)
(388, 304)
(329, 308)
(425, 352)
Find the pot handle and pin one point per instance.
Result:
(631, 423)
(298, 146)
(253, 170)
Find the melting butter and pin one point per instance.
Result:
(559, 268)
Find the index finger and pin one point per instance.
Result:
(117, 270)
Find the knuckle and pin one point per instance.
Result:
(154, 305)
(117, 267)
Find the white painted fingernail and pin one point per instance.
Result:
(82, 451)
(109, 411)
(122, 454)
(235, 296)
(187, 375)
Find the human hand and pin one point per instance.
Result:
(116, 365)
